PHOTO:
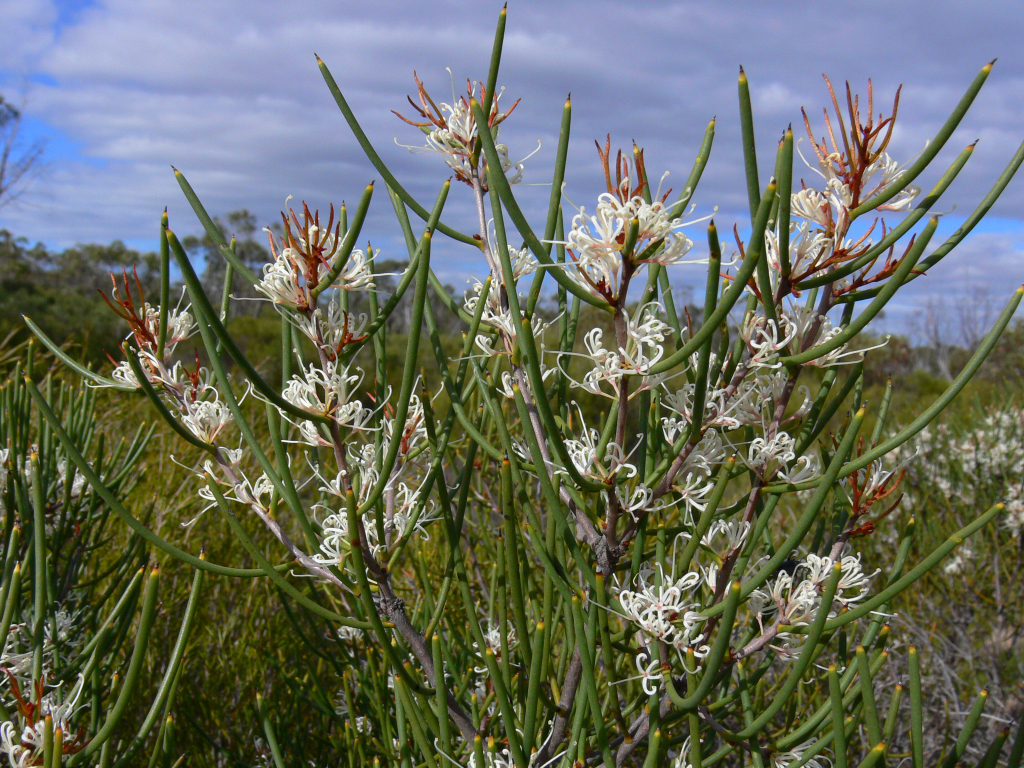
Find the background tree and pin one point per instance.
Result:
(243, 226)
(16, 160)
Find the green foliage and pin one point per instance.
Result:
(483, 577)
(77, 614)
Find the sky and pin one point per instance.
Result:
(228, 91)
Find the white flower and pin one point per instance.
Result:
(796, 755)
(707, 454)
(650, 672)
(501, 759)
(309, 433)
(682, 760)
(406, 502)
(645, 333)
(875, 477)
(356, 274)
(493, 315)
(711, 576)
(813, 330)
(77, 484)
(796, 597)
(180, 325)
(807, 248)
(17, 648)
(805, 468)
(333, 328)
(364, 461)
(777, 449)
(594, 242)
(1014, 513)
(334, 542)
(583, 452)
(793, 601)
(693, 491)
(329, 391)
(638, 500)
(283, 281)
(811, 205)
(252, 494)
(453, 134)
(766, 338)
(456, 141)
(662, 608)
(955, 564)
(414, 431)
(593, 245)
(733, 533)
(233, 456)
(493, 638)
(123, 374)
(884, 173)
(206, 418)
(10, 744)
(349, 634)
(853, 583)
(26, 748)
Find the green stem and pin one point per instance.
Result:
(131, 678)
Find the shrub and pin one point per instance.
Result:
(515, 583)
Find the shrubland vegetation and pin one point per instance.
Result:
(533, 525)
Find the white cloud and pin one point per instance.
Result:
(28, 31)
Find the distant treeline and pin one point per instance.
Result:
(60, 291)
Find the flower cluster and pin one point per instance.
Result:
(974, 465)
(664, 608)
(24, 746)
(852, 171)
(451, 131)
(794, 599)
(645, 335)
(625, 218)
(189, 393)
(309, 260)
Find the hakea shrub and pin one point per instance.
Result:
(676, 582)
(955, 465)
(77, 617)
(963, 616)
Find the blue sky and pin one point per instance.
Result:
(228, 91)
